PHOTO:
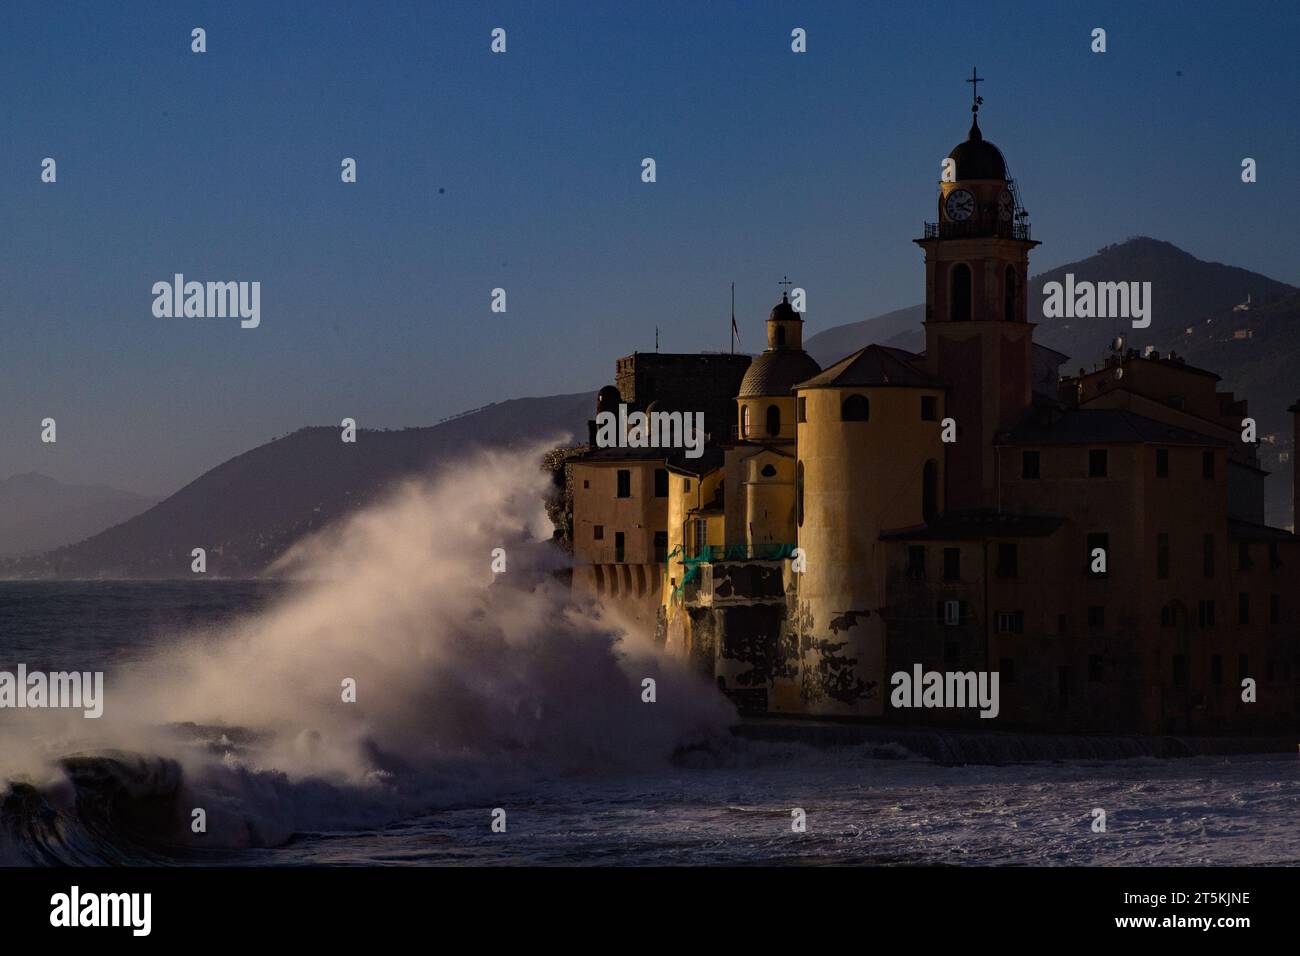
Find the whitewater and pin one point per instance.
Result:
(477, 692)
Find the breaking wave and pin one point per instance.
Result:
(469, 684)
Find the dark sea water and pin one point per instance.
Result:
(726, 801)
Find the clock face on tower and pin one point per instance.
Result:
(959, 205)
(1005, 206)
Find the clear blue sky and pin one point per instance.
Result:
(523, 171)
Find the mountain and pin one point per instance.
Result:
(38, 513)
(1184, 290)
(246, 511)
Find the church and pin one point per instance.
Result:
(1096, 540)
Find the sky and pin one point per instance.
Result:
(522, 171)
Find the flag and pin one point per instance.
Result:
(735, 331)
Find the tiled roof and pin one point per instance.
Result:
(1098, 426)
(873, 365)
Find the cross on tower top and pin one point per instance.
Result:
(787, 282)
(974, 81)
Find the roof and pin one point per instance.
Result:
(1240, 530)
(776, 371)
(614, 453)
(713, 458)
(983, 523)
(1102, 426)
(873, 365)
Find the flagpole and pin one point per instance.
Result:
(733, 318)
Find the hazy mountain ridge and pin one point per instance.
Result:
(248, 510)
(38, 512)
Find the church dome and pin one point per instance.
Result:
(608, 399)
(776, 371)
(977, 158)
(783, 311)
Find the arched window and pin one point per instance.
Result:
(959, 294)
(768, 471)
(780, 336)
(856, 408)
(773, 420)
(744, 421)
(798, 493)
(1009, 295)
(929, 491)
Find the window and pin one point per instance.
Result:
(773, 420)
(744, 421)
(1168, 615)
(1162, 555)
(780, 336)
(1180, 670)
(1205, 614)
(598, 533)
(798, 493)
(1243, 607)
(1243, 556)
(619, 552)
(686, 484)
(856, 408)
(801, 409)
(952, 652)
(1030, 464)
(768, 471)
(916, 562)
(1095, 669)
(1270, 671)
(1207, 464)
(1162, 462)
(1063, 685)
(1009, 295)
(1275, 609)
(624, 483)
(1096, 617)
(661, 482)
(1062, 623)
(1243, 666)
(950, 612)
(1007, 670)
(661, 546)
(1098, 540)
(1274, 561)
(929, 408)
(1011, 622)
(701, 536)
(586, 484)
(952, 564)
(1008, 561)
(959, 293)
(1216, 669)
(1097, 463)
(1207, 555)
(929, 491)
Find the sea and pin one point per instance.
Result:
(497, 755)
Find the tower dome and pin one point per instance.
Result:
(977, 158)
(784, 363)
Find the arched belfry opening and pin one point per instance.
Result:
(959, 293)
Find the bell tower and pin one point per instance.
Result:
(978, 337)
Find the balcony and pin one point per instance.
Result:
(977, 229)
